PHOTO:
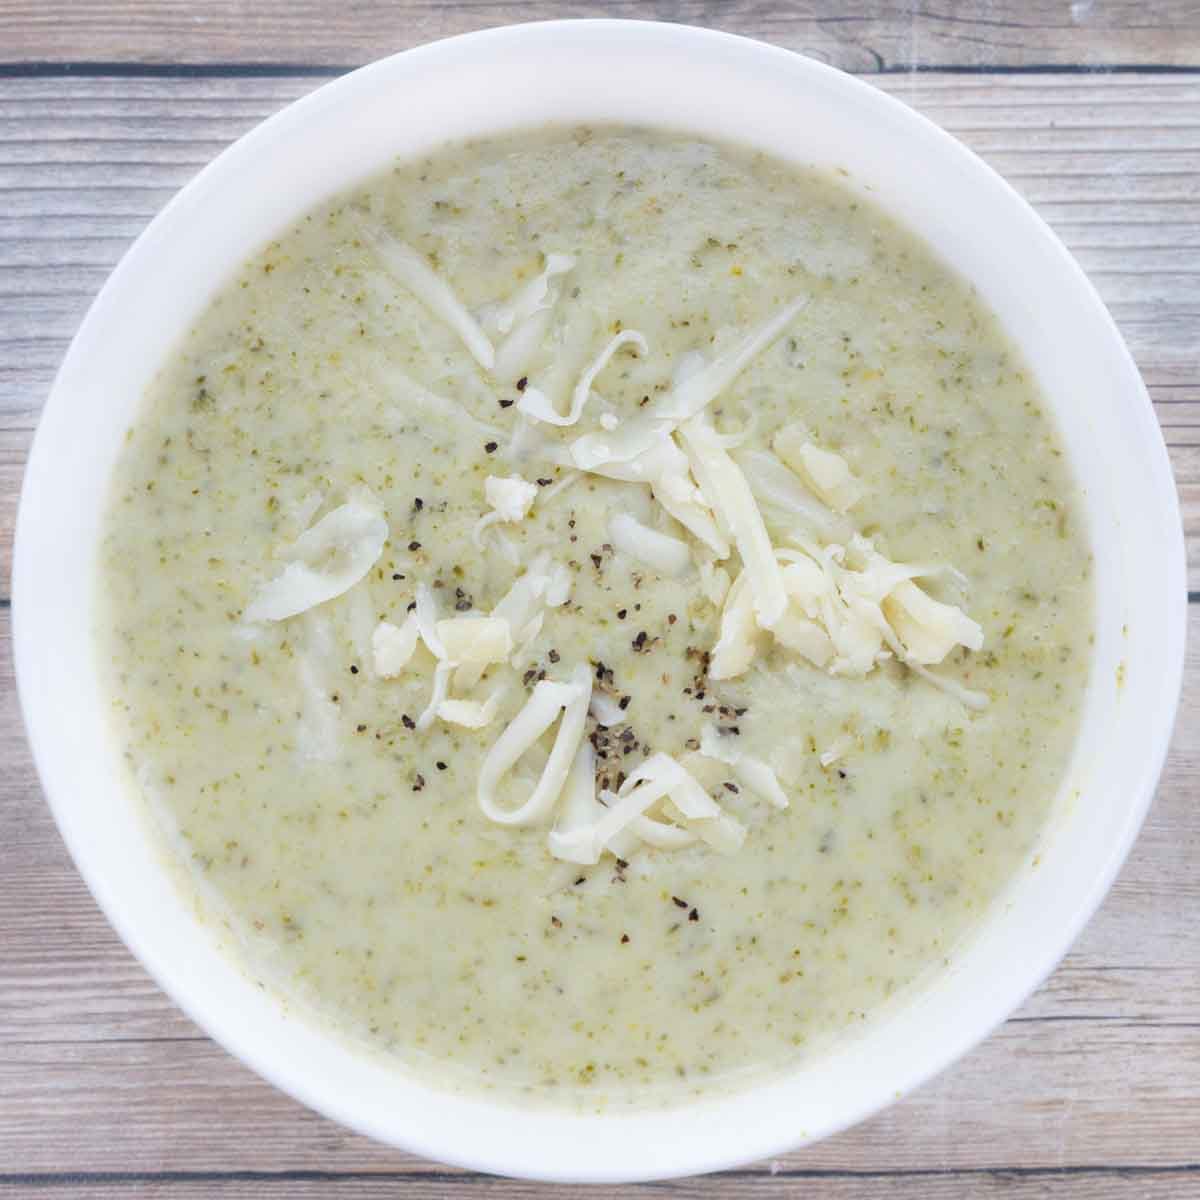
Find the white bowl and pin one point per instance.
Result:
(720, 87)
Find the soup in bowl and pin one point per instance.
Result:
(611, 622)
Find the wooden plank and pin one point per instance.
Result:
(1054, 1095)
(1100, 1068)
(858, 36)
(1112, 162)
(1145, 1184)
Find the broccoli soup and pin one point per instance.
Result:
(595, 615)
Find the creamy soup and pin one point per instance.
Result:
(596, 615)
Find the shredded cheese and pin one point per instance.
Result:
(525, 319)
(477, 640)
(472, 714)
(618, 821)
(828, 474)
(510, 498)
(738, 641)
(571, 839)
(605, 711)
(714, 583)
(700, 386)
(393, 646)
(326, 560)
(320, 718)
(776, 488)
(757, 775)
(425, 611)
(536, 404)
(665, 468)
(927, 628)
(536, 296)
(541, 710)
(441, 691)
(725, 489)
(410, 268)
(519, 347)
(665, 554)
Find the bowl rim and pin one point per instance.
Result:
(747, 1144)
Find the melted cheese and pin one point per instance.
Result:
(326, 560)
(665, 554)
(410, 268)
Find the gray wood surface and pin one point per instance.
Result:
(859, 35)
(1093, 1089)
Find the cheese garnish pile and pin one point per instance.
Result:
(824, 595)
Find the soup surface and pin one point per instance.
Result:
(338, 833)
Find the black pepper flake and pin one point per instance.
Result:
(841, 773)
(522, 383)
(555, 922)
(397, 577)
(414, 545)
(353, 669)
(596, 560)
(507, 403)
(731, 787)
(361, 728)
(544, 482)
(581, 879)
(554, 656)
(622, 865)
(671, 618)
(694, 915)
(412, 604)
(624, 939)
(418, 504)
(491, 447)
(408, 722)
(675, 900)
(441, 766)
(418, 782)
(639, 642)
(623, 703)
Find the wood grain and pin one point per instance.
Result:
(1145, 1184)
(1092, 1090)
(861, 35)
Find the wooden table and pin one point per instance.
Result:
(1092, 109)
